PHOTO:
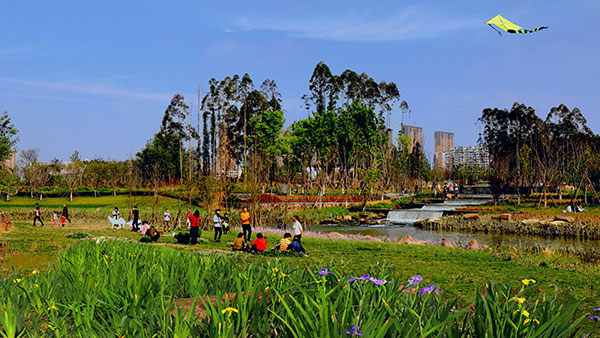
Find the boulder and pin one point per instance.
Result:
(531, 221)
(446, 242)
(564, 218)
(339, 218)
(337, 234)
(347, 218)
(473, 245)
(434, 220)
(405, 240)
(471, 217)
(558, 223)
(504, 217)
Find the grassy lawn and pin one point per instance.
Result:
(456, 271)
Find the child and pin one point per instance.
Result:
(144, 228)
(225, 224)
(55, 218)
(63, 220)
(284, 242)
(153, 233)
(296, 246)
(239, 243)
(259, 245)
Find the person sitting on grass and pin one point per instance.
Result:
(239, 243)
(153, 234)
(144, 228)
(259, 245)
(284, 242)
(296, 246)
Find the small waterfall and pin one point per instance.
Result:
(412, 215)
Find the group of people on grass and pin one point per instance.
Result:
(259, 245)
(64, 216)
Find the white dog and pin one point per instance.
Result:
(120, 223)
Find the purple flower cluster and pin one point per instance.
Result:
(415, 280)
(430, 289)
(324, 272)
(354, 331)
(367, 278)
(594, 318)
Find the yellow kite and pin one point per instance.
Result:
(509, 26)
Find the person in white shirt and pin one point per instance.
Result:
(167, 219)
(115, 213)
(297, 227)
(217, 225)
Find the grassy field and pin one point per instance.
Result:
(458, 272)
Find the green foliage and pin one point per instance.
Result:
(117, 288)
(8, 137)
(78, 235)
(161, 155)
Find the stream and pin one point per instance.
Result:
(400, 223)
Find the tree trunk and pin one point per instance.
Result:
(71, 195)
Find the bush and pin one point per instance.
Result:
(78, 235)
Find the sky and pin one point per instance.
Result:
(96, 76)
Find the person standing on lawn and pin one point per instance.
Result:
(194, 225)
(245, 218)
(37, 214)
(167, 219)
(297, 227)
(217, 224)
(136, 218)
(65, 213)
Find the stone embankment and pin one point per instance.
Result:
(370, 218)
(526, 224)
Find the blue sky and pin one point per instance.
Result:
(96, 76)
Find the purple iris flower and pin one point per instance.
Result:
(429, 289)
(594, 318)
(354, 331)
(415, 280)
(324, 272)
(597, 309)
(367, 278)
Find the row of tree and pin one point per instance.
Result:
(528, 152)
(238, 140)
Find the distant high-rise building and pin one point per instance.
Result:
(477, 156)
(444, 141)
(414, 133)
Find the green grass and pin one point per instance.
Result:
(458, 272)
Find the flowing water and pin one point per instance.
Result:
(400, 224)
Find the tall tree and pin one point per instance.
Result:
(8, 137)
(164, 151)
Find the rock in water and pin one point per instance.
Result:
(504, 217)
(405, 240)
(569, 219)
(473, 245)
(531, 221)
(471, 217)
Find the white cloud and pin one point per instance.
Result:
(86, 87)
(411, 22)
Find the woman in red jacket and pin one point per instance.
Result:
(194, 225)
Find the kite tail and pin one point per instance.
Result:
(524, 31)
(497, 31)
